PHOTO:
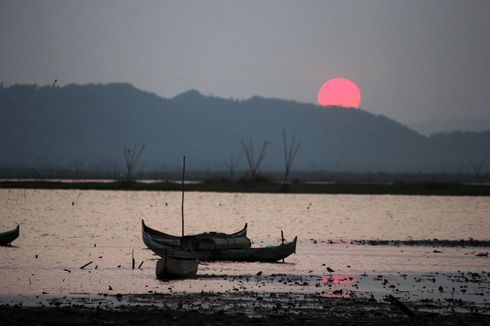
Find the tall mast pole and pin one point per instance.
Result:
(183, 178)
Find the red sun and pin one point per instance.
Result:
(339, 92)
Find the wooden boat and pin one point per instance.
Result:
(172, 266)
(157, 239)
(264, 254)
(9, 236)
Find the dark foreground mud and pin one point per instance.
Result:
(265, 309)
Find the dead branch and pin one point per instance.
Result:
(253, 164)
(231, 165)
(477, 166)
(131, 156)
(289, 153)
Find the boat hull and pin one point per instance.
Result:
(9, 236)
(169, 267)
(265, 254)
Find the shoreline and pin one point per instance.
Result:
(354, 188)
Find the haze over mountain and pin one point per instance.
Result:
(441, 125)
(89, 125)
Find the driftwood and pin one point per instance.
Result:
(90, 262)
(402, 307)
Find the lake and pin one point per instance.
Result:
(62, 230)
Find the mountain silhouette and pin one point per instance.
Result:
(90, 124)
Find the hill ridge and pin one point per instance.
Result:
(90, 123)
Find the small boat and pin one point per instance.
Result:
(9, 236)
(157, 239)
(175, 266)
(264, 254)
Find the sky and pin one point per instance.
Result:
(420, 62)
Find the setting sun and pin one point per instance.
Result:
(339, 92)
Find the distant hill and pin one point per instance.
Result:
(88, 125)
(440, 125)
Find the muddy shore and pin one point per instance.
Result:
(242, 309)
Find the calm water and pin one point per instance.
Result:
(67, 229)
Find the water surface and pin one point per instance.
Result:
(61, 230)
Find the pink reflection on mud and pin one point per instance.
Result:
(339, 286)
(337, 279)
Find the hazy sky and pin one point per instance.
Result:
(413, 60)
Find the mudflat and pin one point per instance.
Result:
(238, 309)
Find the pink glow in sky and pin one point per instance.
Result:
(339, 92)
